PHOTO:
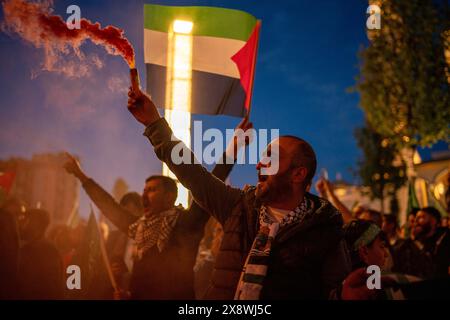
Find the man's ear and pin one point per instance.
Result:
(299, 174)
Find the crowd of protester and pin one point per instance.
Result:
(273, 241)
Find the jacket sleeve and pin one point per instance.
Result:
(208, 191)
(118, 215)
(336, 268)
(223, 168)
(199, 216)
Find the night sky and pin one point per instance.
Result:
(307, 61)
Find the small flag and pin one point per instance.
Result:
(7, 180)
(74, 218)
(97, 280)
(223, 56)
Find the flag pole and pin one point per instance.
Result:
(105, 255)
(252, 77)
(72, 214)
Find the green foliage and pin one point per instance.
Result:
(403, 84)
(376, 168)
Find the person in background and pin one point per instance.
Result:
(60, 237)
(372, 215)
(406, 232)
(40, 264)
(434, 240)
(119, 245)
(122, 276)
(365, 243)
(445, 223)
(326, 191)
(390, 229)
(358, 210)
(392, 235)
(447, 194)
(10, 210)
(205, 260)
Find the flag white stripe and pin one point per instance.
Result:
(209, 54)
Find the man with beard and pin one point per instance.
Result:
(280, 242)
(434, 240)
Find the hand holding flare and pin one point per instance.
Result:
(139, 104)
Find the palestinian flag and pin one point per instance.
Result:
(223, 56)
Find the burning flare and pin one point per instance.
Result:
(34, 22)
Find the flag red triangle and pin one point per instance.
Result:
(245, 60)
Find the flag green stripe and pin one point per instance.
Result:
(208, 21)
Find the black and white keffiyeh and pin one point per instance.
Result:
(152, 230)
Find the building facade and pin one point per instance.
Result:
(43, 183)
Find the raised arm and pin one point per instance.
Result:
(326, 190)
(224, 166)
(221, 170)
(118, 215)
(208, 191)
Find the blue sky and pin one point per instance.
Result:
(307, 60)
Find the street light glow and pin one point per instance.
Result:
(181, 26)
(178, 91)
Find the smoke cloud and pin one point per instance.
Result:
(34, 23)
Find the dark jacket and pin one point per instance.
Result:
(438, 248)
(426, 258)
(410, 259)
(307, 260)
(40, 271)
(9, 256)
(166, 275)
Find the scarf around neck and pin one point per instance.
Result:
(256, 265)
(152, 230)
